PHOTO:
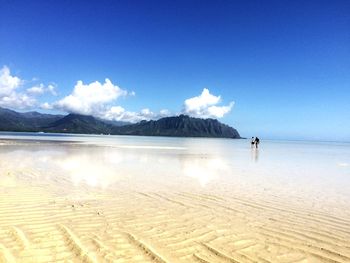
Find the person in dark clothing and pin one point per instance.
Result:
(256, 142)
(252, 142)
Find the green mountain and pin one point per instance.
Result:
(28, 121)
(74, 123)
(179, 126)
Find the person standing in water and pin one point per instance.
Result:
(256, 142)
(252, 142)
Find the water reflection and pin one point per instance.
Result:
(255, 154)
(103, 167)
(204, 169)
(178, 164)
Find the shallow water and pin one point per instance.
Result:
(306, 171)
(165, 199)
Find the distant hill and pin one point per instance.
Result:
(29, 121)
(74, 123)
(115, 123)
(179, 126)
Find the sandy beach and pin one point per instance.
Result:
(178, 131)
(173, 202)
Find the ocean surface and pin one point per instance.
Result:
(313, 173)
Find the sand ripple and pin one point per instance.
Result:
(36, 226)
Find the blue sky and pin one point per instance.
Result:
(285, 64)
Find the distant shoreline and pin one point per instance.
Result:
(47, 134)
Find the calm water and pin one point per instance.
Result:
(315, 173)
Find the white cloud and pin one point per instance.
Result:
(90, 99)
(97, 99)
(8, 83)
(147, 112)
(118, 113)
(36, 90)
(46, 106)
(51, 89)
(115, 111)
(18, 101)
(14, 95)
(219, 111)
(205, 106)
(41, 89)
(9, 96)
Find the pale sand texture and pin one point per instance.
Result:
(48, 216)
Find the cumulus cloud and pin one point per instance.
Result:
(10, 97)
(90, 99)
(18, 101)
(205, 106)
(97, 99)
(36, 90)
(8, 83)
(51, 89)
(118, 113)
(41, 89)
(46, 106)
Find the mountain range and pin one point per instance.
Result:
(177, 126)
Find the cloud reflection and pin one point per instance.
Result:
(204, 170)
(103, 167)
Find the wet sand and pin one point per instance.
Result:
(80, 202)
